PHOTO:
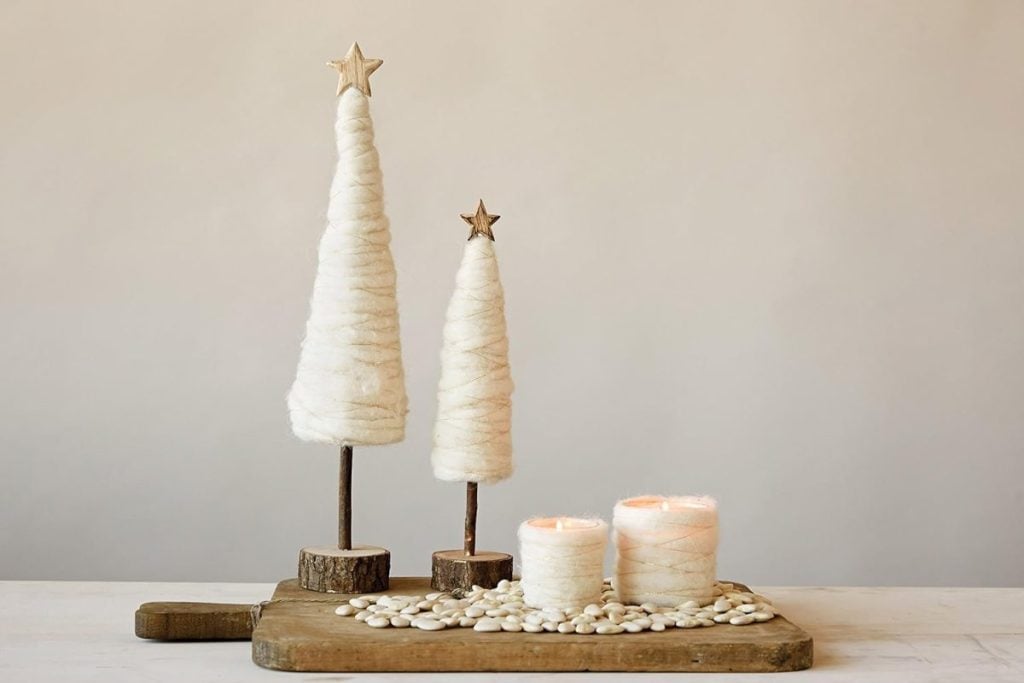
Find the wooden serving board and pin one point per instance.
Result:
(299, 631)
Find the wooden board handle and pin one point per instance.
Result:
(194, 621)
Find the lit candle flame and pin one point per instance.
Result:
(664, 506)
(559, 525)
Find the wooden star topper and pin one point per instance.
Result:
(354, 70)
(481, 221)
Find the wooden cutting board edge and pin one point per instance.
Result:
(298, 631)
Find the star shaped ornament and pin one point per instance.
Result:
(354, 70)
(481, 221)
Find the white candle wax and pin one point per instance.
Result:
(665, 549)
(562, 561)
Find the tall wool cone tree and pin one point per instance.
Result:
(349, 388)
(473, 432)
(472, 435)
(350, 385)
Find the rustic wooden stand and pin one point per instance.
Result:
(455, 570)
(462, 569)
(360, 569)
(345, 568)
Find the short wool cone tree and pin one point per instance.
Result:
(350, 386)
(472, 435)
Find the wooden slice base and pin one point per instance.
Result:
(326, 569)
(454, 569)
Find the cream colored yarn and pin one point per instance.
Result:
(562, 568)
(666, 557)
(472, 435)
(350, 387)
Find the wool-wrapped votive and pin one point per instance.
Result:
(562, 561)
(665, 549)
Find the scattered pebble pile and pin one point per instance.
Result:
(489, 610)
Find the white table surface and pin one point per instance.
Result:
(83, 631)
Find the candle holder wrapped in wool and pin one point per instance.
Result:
(563, 561)
(666, 549)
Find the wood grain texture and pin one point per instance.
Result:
(354, 70)
(361, 569)
(455, 570)
(299, 631)
(193, 621)
(480, 222)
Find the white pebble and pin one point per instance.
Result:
(427, 624)
(504, 585)
(566, 627)
(433, 596)
(511, 626)
(359, 602)
(594, 610)
(400, 622)
(533, 628)
(658, 626)
(487, 626)
(345, 611)
(649, 607)
(762, 616)
(364, 615)
(378, 622)
(747, 609)
(722, 605)
(585, 628)
(632, 627)
(742, 620)
(549, 626)
(475, 612)
(609, 629)
(497, 613)
(467, 622)
(688, 623)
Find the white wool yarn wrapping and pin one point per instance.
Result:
(665, 557)
(473, 431)
(562, 568)
(350, 385)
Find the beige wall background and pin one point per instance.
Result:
(772, 252)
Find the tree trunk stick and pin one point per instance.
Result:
(470, 545)
(345, 500)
